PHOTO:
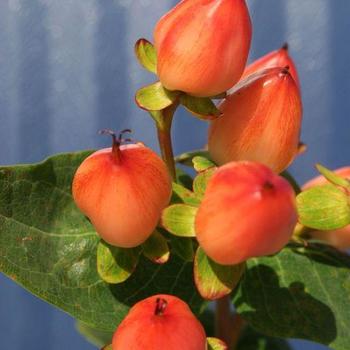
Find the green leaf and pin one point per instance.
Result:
(49, 247)
(95, 336)
(302, 292)
(214, 281)
(201, 107)
(216, 344)
(332, 177)
(156, 248)
(183, 195)
(252, 340)
(324, 207)
(146, 55)
(201, 181)
(187, 157)
(155, 97)
(178, 219)
(114, 264)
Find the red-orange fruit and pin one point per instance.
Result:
(261, 121)
(247, 211)
(277, 58)
(339, 238)
(123, 191)
(203, 45)
(160, 322)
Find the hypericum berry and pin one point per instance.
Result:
(277, 58)
(339, 238)
(160, 322)
(122, 190)
(202, 45)
(247, 211)
(261, 121)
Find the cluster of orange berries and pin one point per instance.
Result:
(248, 210)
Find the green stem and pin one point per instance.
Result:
(164, 121)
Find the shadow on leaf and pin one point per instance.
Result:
(283, 312)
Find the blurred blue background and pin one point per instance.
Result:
(67, 69)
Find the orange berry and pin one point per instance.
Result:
(123, 191)
(202, 45)
(247, 211)
(157, 323)
(261, 121)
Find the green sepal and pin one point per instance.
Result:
(201, 107)
(115, 265)
(332, 177)
(201, 181)
(187, 157)
(201, 163)
(324, 207)
(213, 281)
(155, 97)
(156, 248)
(216, 344)
(146, 55)
(183, 195)
(178, 219)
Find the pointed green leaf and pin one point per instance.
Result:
(49, 247)
(155, 97)
(201, 107)
(187, 157)
(95, 336)
(324, 207)
(202, 163)
(214, 281)
(183, 195)
(301, 292)
(146, 55)
(178, 219)
(114, 264)
(216, 344)
(156, 248)
(201, 181)
(332, 177)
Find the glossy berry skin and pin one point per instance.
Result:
(202, 45)
(278, 58)
(157, 323)
(123, 190)
(247, 211)
(261, 121)
(339, 238)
